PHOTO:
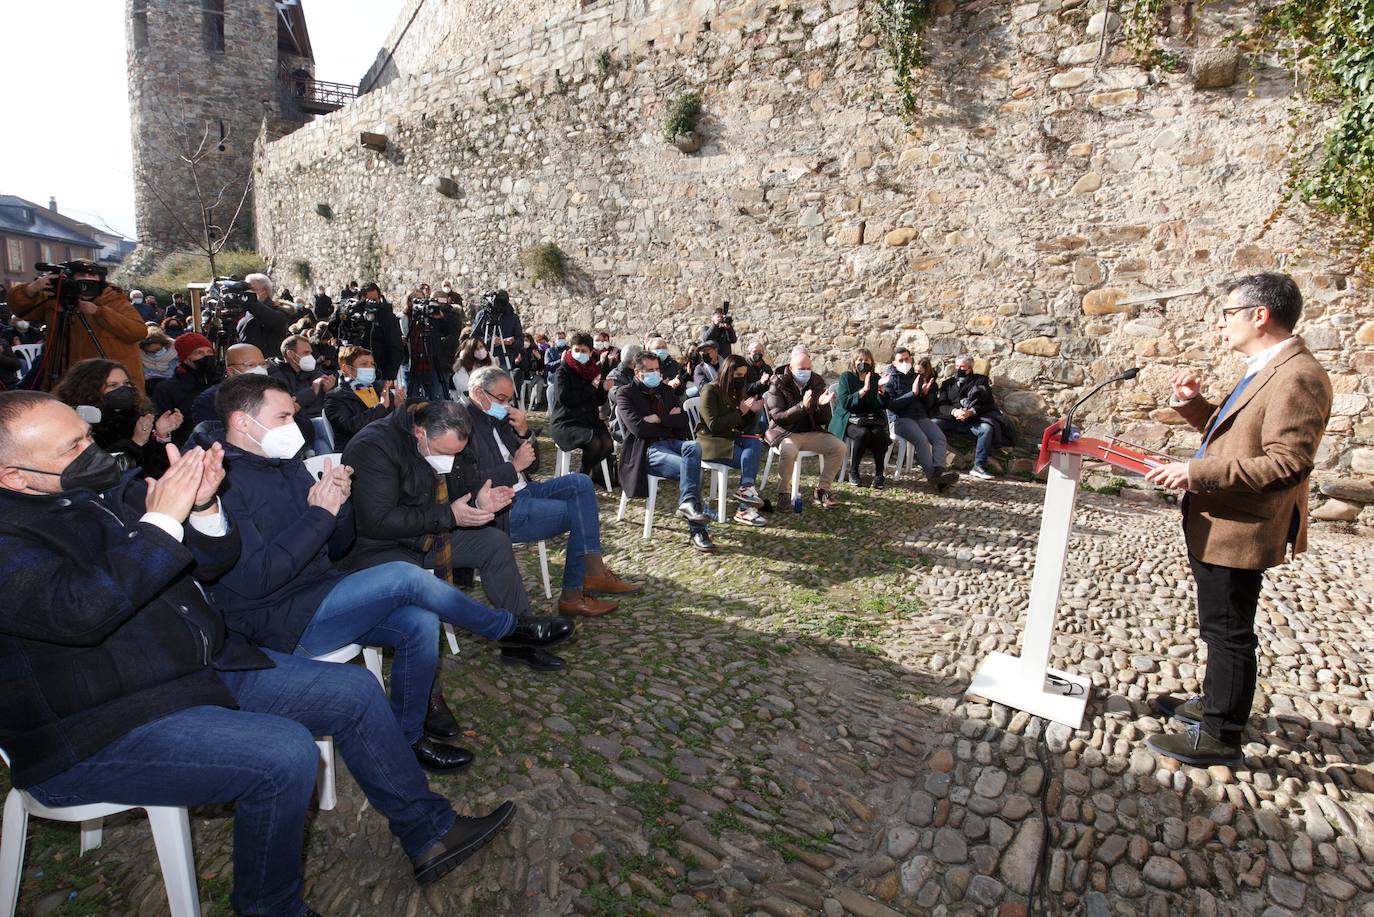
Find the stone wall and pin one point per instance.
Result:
(1042, 214)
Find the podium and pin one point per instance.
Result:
(1026, 682)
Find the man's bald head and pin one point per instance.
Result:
(38, 432)
(242, 358)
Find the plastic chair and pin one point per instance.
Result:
(720, 483)
(323, 431)
(171, 837)
(324, 781)
(29, 353)
(315, 465)
(548, 594)
(796, 468)
(648, 507)
(563, 465)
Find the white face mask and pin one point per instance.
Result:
(602, 345)
(440, 463)
(902, 368)
(447, 289)
(280, 442)
(308, 363)
(21, 325)
(256, 371)
(480, 354)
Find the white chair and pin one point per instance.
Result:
(548, 594)
(900, 455)
(372, 658)
(796, 468)
(648, 507)
(720, 483)
(315, 465)
(171, 837)
(29, 353)
(563, 465)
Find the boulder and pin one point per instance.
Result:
(1337, 511)
(1348, 489)
(1215, 68)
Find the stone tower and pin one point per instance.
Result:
(206, 78)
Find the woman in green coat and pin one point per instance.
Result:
(726, 413)
(860, 416)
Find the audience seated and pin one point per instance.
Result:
(122, 421)
(99, 573)
(675, 375)
(296, 370)
(725, 433)
(197, 370)
(575, 406)
(656, 433)
(965, 406)
(359, 398)
(159, 358)
(913, 401)
(798, 413)
(709, 367)
(284, 592)
(860, 416)
(505, 450)
(472, 356)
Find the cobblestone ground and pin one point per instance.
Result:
(779, 729)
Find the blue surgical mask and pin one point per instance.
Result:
(367, 375)
(652, 379)
(662, 352)
(802, 376)
(497, 411)
(581, 357)
(560, 343)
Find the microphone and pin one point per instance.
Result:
(1068, 418)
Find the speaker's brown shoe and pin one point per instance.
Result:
(588, 606)
(609, 583)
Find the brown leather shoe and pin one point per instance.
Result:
(825, 500)
(609, 583)
(588, 606)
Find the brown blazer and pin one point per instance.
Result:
(1249, 493)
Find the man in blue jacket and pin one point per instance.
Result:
(286, 594)
(120, 684)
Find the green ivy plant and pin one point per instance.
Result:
(544, 263)
(1330, 44)
(682, 116)
(899, 24)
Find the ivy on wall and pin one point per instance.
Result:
(899, 24)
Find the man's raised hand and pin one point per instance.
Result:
(174, 493)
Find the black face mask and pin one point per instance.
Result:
(120, 399)
(204, 367)
(94, 469)
(862, 368)
(961, 373)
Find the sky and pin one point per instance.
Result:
(68, 131)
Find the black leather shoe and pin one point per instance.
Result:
(440, 722)
(436, 756)
(702, 542)
(466, 837)
(536, 659)
(693, 511)
(536, 631)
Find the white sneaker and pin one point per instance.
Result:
(750, 516)
(749, 495)
(981, 473)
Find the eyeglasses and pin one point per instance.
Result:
(249, 365)
(499, 399)
(1227, 313)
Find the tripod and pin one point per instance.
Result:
(494, 337)
(55, 363)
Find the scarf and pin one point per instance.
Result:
(588, 371)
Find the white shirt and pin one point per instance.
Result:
(1255, 363)
(212, 525)
(520, 482)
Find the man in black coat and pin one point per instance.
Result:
(296, 369)
(265, 321)
(196, 373)
(121, 682)
(721, 331)
(658, 441)
(965, 406)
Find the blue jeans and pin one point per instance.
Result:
(681, 459)
(545, 509)
(982, 429)
(400, 605)
(262, 757)
(748, 450)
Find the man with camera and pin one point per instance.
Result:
(122, 683)
(498, 327)
(265, 321)
(721, 331)
(368, 321)
(285, 592)
(85, 316)
(422, 333)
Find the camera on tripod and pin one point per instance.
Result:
(67, 287)
(422, 310)
(496, 301)
(224, 304)
(358, 318)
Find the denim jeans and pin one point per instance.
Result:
(400, 605)
(982, 429)
(262, 757)
(681, 459)
(927, 439)
(748, 450)
(545, 509)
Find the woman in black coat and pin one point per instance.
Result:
(575, 407)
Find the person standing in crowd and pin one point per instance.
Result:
(123, 420)
(721, 331)
(472, 357)
(798, 404)
(265, 322)
(965, 406)
(322, 346)
(1246, 495)
(115, 324)
(297, 371)
(528, 365)
(188, 713)
(505, 449)
(323, 305)
(727, 434)
(174, 326)
(359, 398)
(196, 371)
(709, 368)
(385, 339)
(284, 592)
(159, 359)
(913, 395)
(577, 394)
(145, 306)
(860, 416)
(454, 301)
(422, 344)
(180, 307)
(448, 328)
(498, 327)
(657, 441)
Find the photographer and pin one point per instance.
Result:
(422, 345)
(265, 321)
(98, 322)
(498, 327)
(368, 321)
(721, 330)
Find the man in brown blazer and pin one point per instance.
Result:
(1246, 502)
